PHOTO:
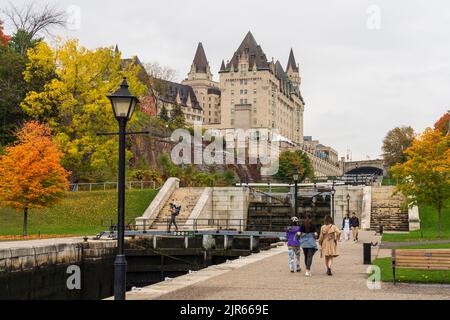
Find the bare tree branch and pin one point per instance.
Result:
(34, 20)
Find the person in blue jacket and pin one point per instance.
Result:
(293, 243)
(308, 236)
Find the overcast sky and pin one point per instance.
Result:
(366, 66)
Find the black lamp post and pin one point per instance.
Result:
(295, 178)
(123, 103)
(348, 204)
(332, 192)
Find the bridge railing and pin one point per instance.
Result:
(256, 224)
(103, 186)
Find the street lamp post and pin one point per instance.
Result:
(295, 178)
(348, 204)
(332, 192)
(123, 103)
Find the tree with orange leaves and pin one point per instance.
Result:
(31, 175)
(425, 176)
(4, 39)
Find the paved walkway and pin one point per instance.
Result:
(37, 242)
(266, 276)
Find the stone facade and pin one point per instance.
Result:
(257, 93)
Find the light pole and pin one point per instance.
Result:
(332, 192)
(295, 178)
(123, 104)
(348, 204)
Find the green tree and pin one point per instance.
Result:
(395, 143)
(290, 161)
(177, 119)
(424, 178)
(164, 115)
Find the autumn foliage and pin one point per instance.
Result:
(425, 175)
(443, 123)
(4, 39)
(31, 174)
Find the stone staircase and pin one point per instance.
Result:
(387, 210)
(186, 198)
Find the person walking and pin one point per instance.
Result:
(346, 227)
(308, 236)
(328, 238)
(292, 236)
(174, 212)
(354, 225)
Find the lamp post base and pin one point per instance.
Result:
(120, 273)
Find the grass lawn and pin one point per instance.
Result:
(428, 224)
(79, 213)
(413, 275)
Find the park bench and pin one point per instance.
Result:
(425, 259)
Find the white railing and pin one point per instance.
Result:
(103, 186)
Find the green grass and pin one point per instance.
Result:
(414, 275)
(428, 224)
(410, 275)
(388, 182)
(79, 213)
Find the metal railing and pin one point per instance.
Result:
(103, 186)
(259, 224)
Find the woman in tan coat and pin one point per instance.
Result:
(329, 236)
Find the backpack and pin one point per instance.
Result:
(178, 210)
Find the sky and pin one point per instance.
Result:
(366, 66)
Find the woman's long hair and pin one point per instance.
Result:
(308, 224)
(328, 220)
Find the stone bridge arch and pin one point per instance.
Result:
(365, 167)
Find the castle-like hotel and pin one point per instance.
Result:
(252, 93)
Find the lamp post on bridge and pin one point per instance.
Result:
(123, 104)
(332, 192)
(348, 204)
(295, 178)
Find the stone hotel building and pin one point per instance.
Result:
(253, 92)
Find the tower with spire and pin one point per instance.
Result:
(292, 70)
(200, 69)
(200, 79)
(258, 93)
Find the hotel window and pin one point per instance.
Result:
(254, 91)
(232, 92)
(254, 81)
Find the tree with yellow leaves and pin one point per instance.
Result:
(73, 103)
(425, 176)
(31, 174)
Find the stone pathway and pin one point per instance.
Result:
(266, 276)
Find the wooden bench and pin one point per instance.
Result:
(425, 259)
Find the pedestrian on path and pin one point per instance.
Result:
(354, 225)
(308, 236)
(329, 236)
(346, 227)
(292, 236)
(174, 212)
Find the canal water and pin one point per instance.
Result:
(51, 283)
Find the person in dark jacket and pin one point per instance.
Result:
(354, 225)
(292, 236)
(174, 212)
(308, 236)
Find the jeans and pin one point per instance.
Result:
(294, 251)
(173, 221)
(355, 233)
(309, 253)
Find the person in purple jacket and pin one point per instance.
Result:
(293, 243)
